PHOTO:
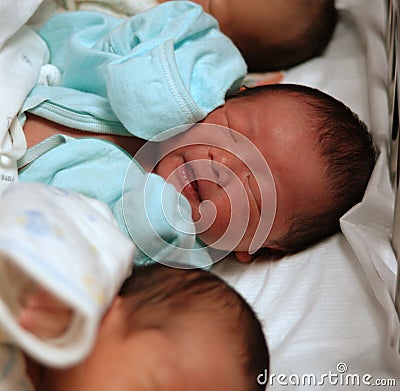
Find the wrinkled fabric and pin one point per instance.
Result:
(147, 209)
(71, 246)
(162, 68)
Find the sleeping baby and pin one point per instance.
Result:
(319, 157)
(271, 34)
(171, 330)
(271, 169)
(274, 34)
(167, 328)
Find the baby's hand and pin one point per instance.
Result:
(243, 256)
(44, 315)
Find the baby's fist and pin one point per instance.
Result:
(44, 315)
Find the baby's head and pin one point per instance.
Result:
(173, 330)
(275, 34)
(319, 153)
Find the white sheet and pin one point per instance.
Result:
(13, 14)
(332, 304)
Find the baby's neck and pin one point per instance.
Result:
(35, 373)
(41, 377)
(37, 129)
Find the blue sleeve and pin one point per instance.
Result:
(158, 219)
(165, 67)
(147, 209)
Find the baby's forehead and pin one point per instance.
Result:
(253, 10)
(265, 100)
(260, 19)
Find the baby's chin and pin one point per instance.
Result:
(213, 239)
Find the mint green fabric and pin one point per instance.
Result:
(163, 68)
(147, 209)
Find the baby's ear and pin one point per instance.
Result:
(243, 256)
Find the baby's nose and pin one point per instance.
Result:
(226, 167)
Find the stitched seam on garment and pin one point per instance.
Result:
(85, 122)
(189, 107)
(40, 149)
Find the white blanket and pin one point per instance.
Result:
(328, 311)
(331, 307)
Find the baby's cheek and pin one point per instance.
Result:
(219, 211)
(204, 3)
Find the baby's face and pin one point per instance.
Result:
(279, 126)
(197, 359)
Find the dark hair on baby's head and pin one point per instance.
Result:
(158, 295)
(348, 156)
(305, 29)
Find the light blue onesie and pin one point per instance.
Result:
(163, 68)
